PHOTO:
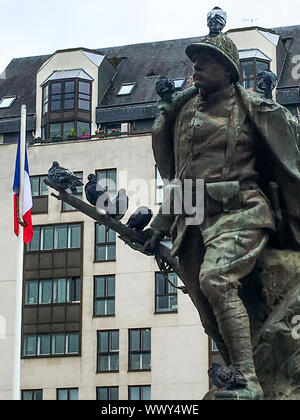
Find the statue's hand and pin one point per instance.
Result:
(153, 239)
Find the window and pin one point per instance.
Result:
(45, 100)
(159, 195)
(46, 238)
(84, 96)
(108, 394)
(179, 83)
(32, 395)
(39, 345)
(249, 71)
(107, 178)
(165, 294)
(56, 291)
(214, 347)
(126, 89)
(104, 296)
(7, 102)
(105, 244)
(38, 187)
(68, 394)
(139, 393)
(140, 350)
(108, 351)
(67, 207)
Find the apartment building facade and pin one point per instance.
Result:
(99, 321)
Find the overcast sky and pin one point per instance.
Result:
(35, 27)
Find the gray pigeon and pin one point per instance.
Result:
(216, 21)
(165, 88)
(267, 81)
(119, 206)
(140, 219)
(63, 178)
(224, 378)
(93, 190)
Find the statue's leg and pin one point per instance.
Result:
(191, 257)
(229, 258)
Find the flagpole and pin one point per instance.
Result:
(19, 272)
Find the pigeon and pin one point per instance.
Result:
(224, 378)
(140, 219)
(63, 178)
(119, 206)
(267, 81)
(165, 88)
(216, 21)
(93, 190)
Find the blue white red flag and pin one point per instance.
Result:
(27, 198)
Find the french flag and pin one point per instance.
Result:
(27, 201)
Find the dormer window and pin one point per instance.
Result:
(7, 101)
(252, 61)
(179, 83)
(126, 89)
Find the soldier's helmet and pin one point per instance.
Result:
(223, 47)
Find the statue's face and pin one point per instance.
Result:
(209, 72)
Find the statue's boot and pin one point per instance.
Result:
(234, 325)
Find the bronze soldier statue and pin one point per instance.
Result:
(238, 142)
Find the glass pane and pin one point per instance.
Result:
(100, 234)
(84, 87)
(35, 243)
(146, 340)
(249, 84)
(69, 104)
(38, 395)
(103, 363)
(160, 284)
(261, 66)
(110, 286)
(112, 180)
(68, 127)
(162, 303)
(35, 186)
(146, 361)
(159, 195)
(32, 290)
(110, 307)
(114, 362)
(62, 395)
(135, 342)
(173, 303)
(100, 287)
(58, 344)
(100, 308)
(111, 236)
(47, 238)
(59, 292)
(135, 362)
(173, 278)
(83, 127)
(44, 345)
(114, 341)
(101, 253)
(134, 393)
(56, 88)
(30, 342)
(103, 342)
(73, 394)
(74, 236)
(85, 105)
(27, 395)
(247, 69)
(146, 393)
(55, 130)
(114, 394)
(159, 181)
(73, 343)
(74, 290)
(102, 394)
(69, 87)
(45, 291)
(55, 105)
(43, 186)
(61, 236)
(111, 252)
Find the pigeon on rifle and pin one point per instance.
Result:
(267, 81)
(93, 190)
(63, 178)
(165, 88)
(119, 206)
(216, 21)
(140, 219)
(225, 378)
